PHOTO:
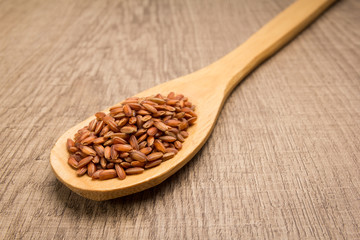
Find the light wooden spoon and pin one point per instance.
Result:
(208, 89)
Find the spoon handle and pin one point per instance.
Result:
(270, 38)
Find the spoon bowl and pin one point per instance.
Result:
(207, 89)
(112, 188)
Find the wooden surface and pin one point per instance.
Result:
(282, 162)
(210, 87)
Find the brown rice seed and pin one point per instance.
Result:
(171, 109)
(110, 121)
(180, 115)
(159, 96)
(167, 138)
(142, 138)
(110, 165)
(140, 132)
(161, 126)
(128, 129)
(88, 150)
(149, 108)
(132, 120)
(139, 121)
(122, 147)
(76, 157)
(168, 133)
(174, 130)
(88, 140)
(146, 101)
(146, 118)
(185, 134)
(119, 115)
(124, 155)
(134, 170)
(119, 140)
(173, 122)
(120, 172)
(168, 156)
(178, 145)
(180, 137)
(153, 164)
(160, 107)
(187, 116)
(154, 156)
(72, 162)
(179, 96)
(122, 122)
(134, 142)
(143, 112)
(120, 135)
(159, 114)
(166, 118)
(137, 164)
(81, 171)
(81, 154)
(96, 159)
(91, 168)
(158, 134)
(150, 141)
(100, 115)
(107, 152)
(157, 100)
(73, 149)
(103, 163)
(172, 102)
(159, 146)
(70, 144)
(114, 160)
(113, 153)
(192, 120)
(116, 110)
(92, 125)
(183, 126)
(135, 106)
(108, 142)
(96, 174)
(152, 131)
(83, 136)
(148, 124)
(146, 150)
(84, 161)
(128, 159)
(99, 140)
(125, 165)
(138, 156)
(104, 130)
(127, 110)
(107, 174)
(171, 95)
(142, 144)
(173, 150)
(99, 150)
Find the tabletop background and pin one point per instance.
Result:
(282, 162)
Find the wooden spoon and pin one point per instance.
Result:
(208, 89)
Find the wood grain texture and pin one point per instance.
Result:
(210, 87)
(282, 162)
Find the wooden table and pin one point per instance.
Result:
(282, 162)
